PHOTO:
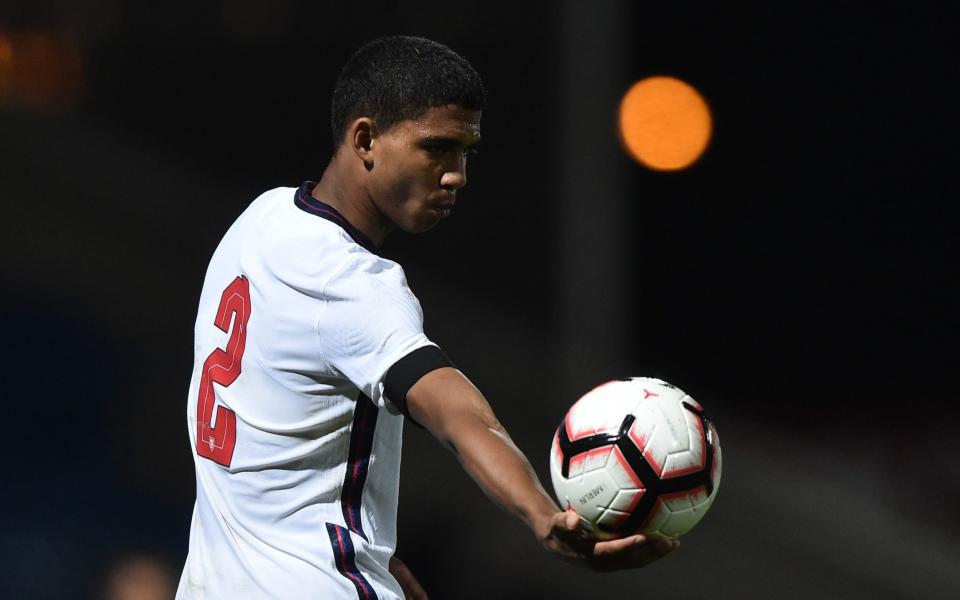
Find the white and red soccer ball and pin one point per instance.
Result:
(636, 455)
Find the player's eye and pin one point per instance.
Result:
(437, 148)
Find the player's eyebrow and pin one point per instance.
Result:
(449, 143)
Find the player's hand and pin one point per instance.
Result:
(412, 589)
(566, 539)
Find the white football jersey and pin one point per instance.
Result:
(294, 422)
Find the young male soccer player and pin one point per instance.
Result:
(310, 350)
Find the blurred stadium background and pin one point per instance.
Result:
(800, 279)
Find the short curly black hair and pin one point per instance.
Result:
(396, 78)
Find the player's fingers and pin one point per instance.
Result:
(617, 546)
(612, 556)
(565, 528)
(412, 590)
(567, 520)
(661, 547)
(567, 539)
(415, 592)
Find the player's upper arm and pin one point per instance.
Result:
(369, 321)
(445, 402)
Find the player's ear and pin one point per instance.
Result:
(362, 133)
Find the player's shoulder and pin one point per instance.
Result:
(284, 230)
(294, 242)
(363, 271)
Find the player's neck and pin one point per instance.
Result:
(351, 201)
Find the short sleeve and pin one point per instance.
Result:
(369, 321)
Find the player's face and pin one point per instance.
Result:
(420, 164)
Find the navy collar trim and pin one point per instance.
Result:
(308, 203)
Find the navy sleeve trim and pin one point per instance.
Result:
(408, 370)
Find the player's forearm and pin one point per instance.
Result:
(503, 472)
(454, 411)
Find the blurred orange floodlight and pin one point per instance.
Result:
(39, 70)
(664, 123)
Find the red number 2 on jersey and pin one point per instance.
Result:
(223, 367)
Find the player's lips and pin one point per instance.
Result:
(443, 211)
(443, 208)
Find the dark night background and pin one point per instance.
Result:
(799, 280)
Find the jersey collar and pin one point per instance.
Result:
(308, 203)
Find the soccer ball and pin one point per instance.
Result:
(636, 455)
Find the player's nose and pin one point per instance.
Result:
(454, 179)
